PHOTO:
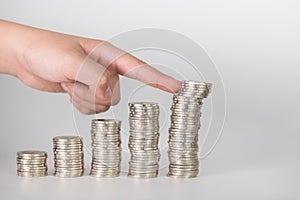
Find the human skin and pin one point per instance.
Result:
(87, 69)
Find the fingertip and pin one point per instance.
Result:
(176, 86)
(170, 85)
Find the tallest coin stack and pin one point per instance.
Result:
(183, 133)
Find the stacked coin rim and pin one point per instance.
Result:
(68, 156)
(143, 139)
(183, 132)
(32, 163)
(106, 148)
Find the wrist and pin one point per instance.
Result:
(12, 46)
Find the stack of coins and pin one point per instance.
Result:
(106, 148)
(68, 156)
(183, 133)
(32, 163)
(143, 140)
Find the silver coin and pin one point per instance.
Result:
(182, 176)
(30, 166)
(153, 175)
(143, 139)
(31, 163)
(68, 156)
(106, 164)
(28, 174)
(103, 164)
(106, 148)
(143, 104)
(105, 169)
(183, 133)
(32, 153)
(29, 160)
(67, 138)
(106, 121)
(101, 175)
(67, 174)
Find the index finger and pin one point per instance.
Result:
(126, 64)
(132, 67)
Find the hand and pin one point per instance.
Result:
(87, 69)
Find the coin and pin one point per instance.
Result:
(185, 125)
(31, 163)
(68, 156)
(143, 139)
(106, 148)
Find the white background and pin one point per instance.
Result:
(255, 45)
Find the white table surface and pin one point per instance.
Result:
(270, 182)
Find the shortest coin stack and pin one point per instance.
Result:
(106, 148)
(68, 156)
(32, 163)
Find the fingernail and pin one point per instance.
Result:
(177, 86)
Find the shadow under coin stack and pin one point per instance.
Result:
(68, 156)
(183, 133)
(32, 163)
(106, 148)
(143, 140)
